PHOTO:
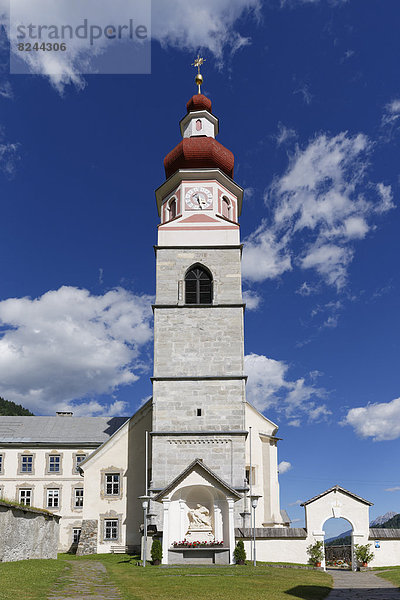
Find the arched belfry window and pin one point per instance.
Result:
(172, 208)
(198, 286)
(226, 207)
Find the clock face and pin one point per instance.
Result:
(198, 198)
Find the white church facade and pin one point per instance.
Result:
(197, 448)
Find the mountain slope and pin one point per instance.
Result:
(389, 520)
(393, 523)
(10, 409)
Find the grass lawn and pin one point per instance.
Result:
(32, 580)
(28, 579)
(218, 583)
(393, 575)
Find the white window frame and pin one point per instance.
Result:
(113, 480)
(25, 494)
(27, 463)
(111, 526)
(75, 535)
(53, 497)
(78, 459)
(53, 463)
(78, 498)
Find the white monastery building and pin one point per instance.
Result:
(198, 427)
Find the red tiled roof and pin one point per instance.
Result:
(199, 153)
(199, 102)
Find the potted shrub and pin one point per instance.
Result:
(240, 553)
(364, 555)
(156, 551)
(316, 553)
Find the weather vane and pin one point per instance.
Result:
(199, 77)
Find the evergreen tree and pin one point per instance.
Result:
(10, 409)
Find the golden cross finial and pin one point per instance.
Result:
(199, 77)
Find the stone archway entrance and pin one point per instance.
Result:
(339, 552)
(338, 503)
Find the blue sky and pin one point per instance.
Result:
(308, 96)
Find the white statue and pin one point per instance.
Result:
(199, 518)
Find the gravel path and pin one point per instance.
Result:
(363, 585)
(84, 580)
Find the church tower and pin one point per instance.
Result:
(198, 437)
(198, 383)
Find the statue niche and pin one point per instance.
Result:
(200, 527)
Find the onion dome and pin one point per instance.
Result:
(199, 153)
(199, 102)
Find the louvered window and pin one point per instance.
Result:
(198, 286)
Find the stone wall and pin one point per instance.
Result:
(192, 341)
(223, 454)
(224, 264)
(27, 533)
(88, 540)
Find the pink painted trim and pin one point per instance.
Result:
(199, 219)
(198, 228)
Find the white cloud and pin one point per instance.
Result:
(8, 157)
(325, 197)
(306, 289)
(284, 466)
(330, 261)
(319, 413)
(8, 154)
(189, 24)
(264, 257)
(268, 387)
(393, 489)
(297, 503)
(6, 90)
(284, 135)
(183, 24)
(391, 112)
(304, 91)
(381, 421)
(385, 192)
(67, 345)
(252, 299)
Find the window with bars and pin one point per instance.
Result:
(198, 286)
(110, 529)
(54, 463)
(25, 496)
(53, 498)
(76, 534)
(112, 484)
(78, 459)
(1, 463)
(26, 463)
(78, 497)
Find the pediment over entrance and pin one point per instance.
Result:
(197, 473)
(334, 489)
(338, 503)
